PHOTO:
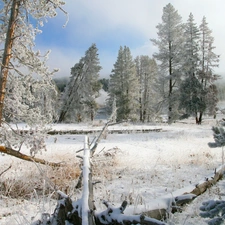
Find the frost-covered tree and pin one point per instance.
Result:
(191, 57)
(191, 90)
(24, 73)
(147, 73)
(105, 84)
(208, 61)
(198, 65)
(78, 102)
(123, 86)
(169, 43)
(191, 97)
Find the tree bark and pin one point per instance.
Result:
(170, 85)
(20, 155)
(8, 53)
(200, 118)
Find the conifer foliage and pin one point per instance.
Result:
(198, 88)
(123, 86)
(169, 43)
(78, 103)
(187, 59)
(191, 90)
(147, 73)
(208, 61)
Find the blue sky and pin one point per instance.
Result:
(114, 23)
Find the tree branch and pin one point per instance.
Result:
(5, 170)
(20, 155)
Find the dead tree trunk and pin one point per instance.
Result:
(8, 53)
(87, 196)
(82, 211)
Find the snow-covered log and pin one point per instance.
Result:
(109, 131)
(82, 211)
(87, 196)
(202, 187)
(162, 207)
(116, 216)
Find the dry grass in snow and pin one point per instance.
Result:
(137, 167)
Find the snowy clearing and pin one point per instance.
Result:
(137, 167)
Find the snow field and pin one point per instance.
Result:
(137, 167)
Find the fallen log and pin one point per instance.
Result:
(166, 205)
(70, 212)
(201, 188)
(116, 216)
(17, 154)
(94, 131)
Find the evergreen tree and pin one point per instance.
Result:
(191, 90)
(169, 43)
(78, 102)
(191, 96)
(208, 61)
(24, 73)
(198, 66)
(105, 84)
(123, 86)
(147, 73)
(191, 48)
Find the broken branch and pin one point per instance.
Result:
(20, 155)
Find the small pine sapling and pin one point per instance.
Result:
(219, 137)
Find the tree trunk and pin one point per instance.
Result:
(140, 108)
(196, 119)
(200, 118)
(170, 85)
(8, 53)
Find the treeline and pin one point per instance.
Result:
(179, 79)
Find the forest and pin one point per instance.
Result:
(178, 80)
(176, 85)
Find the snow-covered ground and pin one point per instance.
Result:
(137, 167)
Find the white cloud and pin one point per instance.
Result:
(92, 20)
(64, 60)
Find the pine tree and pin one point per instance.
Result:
(124, 86)
(191, 89)
(22, 69)
(208, 61)
(191, 97)
(191, 48)
(198, 66)
(169, 43)
(78, 102)
(147, 72)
